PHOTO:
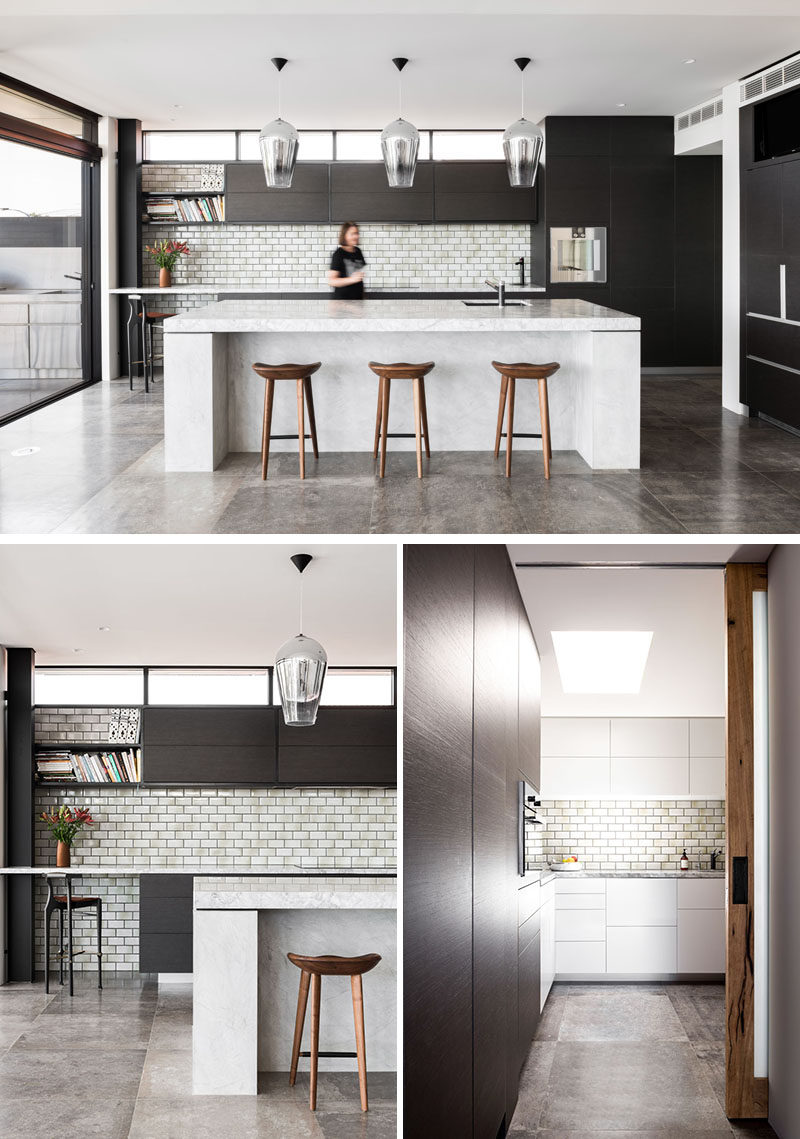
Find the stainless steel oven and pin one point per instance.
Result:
(527, 817)
(577, 254)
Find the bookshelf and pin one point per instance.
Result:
(189, 204)
(86, 763)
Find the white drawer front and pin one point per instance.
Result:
(701, 941)
(701, 893)
(566, 778)
(580, 957)
(645, 777)
(650, 737)
(14, 346)
(707, 737)
(707, 777)
(642, 901)
(568, 737)
(580, 925)
(13, 314)
(641, 949)
(579, 901)
(67, 313)
(548, 892)
(566, 884)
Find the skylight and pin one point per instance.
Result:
(601, 662)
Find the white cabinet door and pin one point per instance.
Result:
(701, 893)
(707, 777)
(14, 349)
(641, 901)
(548, 949)
(579, 901)
(655, 738)
(646, 777)
(568, 736)
(567, 884)
(566, 777)
(580, 957)
(701, 941)
(707, 737)
(641, 949)
(580, 925)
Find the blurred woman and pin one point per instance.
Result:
(346, 274)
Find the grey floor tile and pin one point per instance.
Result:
(741, 502)
(620, 1016)
(445, 505)
(552, 1013)
(681, 448)
(602, 502)
(101, 1031)
(310, 507)
(209, 1117)
(166, 1073)
(373, 1124)
(606, 1086)
(701, 1011)
(533, 1083)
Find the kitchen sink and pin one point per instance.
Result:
(493, 304)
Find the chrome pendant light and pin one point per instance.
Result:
(300, 667)
(522, 142)
(400, 142)
(278, 141)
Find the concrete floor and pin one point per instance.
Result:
(99, 470)
(118, 1063)
(628, 1062)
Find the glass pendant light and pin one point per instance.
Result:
(400, 143)
(300, 667)
(522, 142)
(278, 142)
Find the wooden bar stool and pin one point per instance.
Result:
(67, 903)
(312, 970)
(386, 373)
(302, 373)
(509, 374)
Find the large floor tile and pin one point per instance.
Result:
(373, 1124)
(533, 1083)
(601, 1086)
(101, 1031)
(209, 1117)
(741, 502)
(701, 1011)
(310, 507)
(602, 502)
(620, 1016)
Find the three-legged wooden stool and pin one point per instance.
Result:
(302, 373)
(509, 374)
(313, 969)
(386, 373)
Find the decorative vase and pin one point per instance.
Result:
(164, 278)
(62, 855)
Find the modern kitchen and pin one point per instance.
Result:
(597, 229)
(598, 772)
(203, 788)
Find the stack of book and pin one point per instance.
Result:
(89, 767)
(186, 209)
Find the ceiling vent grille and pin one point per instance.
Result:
(770, 81)
(698, 115)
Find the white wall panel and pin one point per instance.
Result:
(575, 736)
(707, 736)
(646, 777)
(707, 777)
(565, 778)
(659, 738)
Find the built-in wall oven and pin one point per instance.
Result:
(527, 817)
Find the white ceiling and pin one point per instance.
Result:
(684, 608)
(211, 603)
(179, 64)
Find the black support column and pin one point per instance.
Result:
(19, 807)
(129, 218)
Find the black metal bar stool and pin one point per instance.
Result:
(509, 374)
(416, 373)
(147, 321)
(312, 970)
(67, 903)
(302, 373)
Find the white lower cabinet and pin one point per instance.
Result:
(641, 949)
(701, 941)
(580, 957)
(548, 943)
(642, 901)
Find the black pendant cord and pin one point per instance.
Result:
(300, 563)
(278, 62)
(400, 63)
(522, 62)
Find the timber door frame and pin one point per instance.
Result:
(746, 1096)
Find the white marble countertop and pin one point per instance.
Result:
(237, 893)
(247, 290)
(37, 296)
(133, 870)
(400, 315)
(638, 873)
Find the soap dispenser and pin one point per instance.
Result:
(684, 861)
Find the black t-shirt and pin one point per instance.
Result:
(346, 263)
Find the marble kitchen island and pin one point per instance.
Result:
(245, 989)
(213, 401)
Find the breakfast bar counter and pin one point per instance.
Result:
(213, 401)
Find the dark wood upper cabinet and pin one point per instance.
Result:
(247, 198)
(360, 190)
(578, 191)
(209, 746)
(346, 746)
(479, 191)
(575, 135)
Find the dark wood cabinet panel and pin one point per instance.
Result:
(642, 237)
(573, 135)
(529, 996)
(209, 726)
(352, 726)
(361, 190)
(778, 343)
(642, 135)
(247, 198)
(773, 391)
(349, 766)
(698, 216)
(578, 191)
(761, 209)
(165, 953)
(790, 208)
(480, 191)
(530, 700)
(214, 765)
(762, 283)
(437, 898)
(165, 923)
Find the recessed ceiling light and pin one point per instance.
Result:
(622, 104)
(77, 650)
(22, 451)
(601, 662)
(690, 60)
(104, 628)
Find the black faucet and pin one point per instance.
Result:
(521, 264)
(714, 854)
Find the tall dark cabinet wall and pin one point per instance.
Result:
(463, 727)
(770, 237)
(663, 216)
